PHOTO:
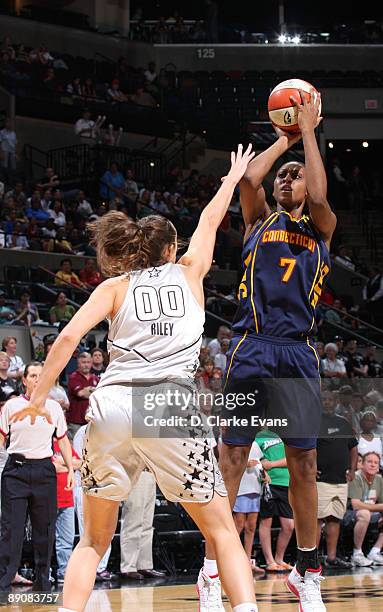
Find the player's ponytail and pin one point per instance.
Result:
(124, 245)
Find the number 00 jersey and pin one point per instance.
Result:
(285, 264)
(157, 332)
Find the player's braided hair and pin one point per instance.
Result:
(124, 245)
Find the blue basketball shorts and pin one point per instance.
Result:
(271, 383)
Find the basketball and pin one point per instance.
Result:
(282, 112)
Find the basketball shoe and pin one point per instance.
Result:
(209, 593)
(307, 589)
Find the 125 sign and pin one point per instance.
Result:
(206, 53)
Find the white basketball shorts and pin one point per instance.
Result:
(185, 468)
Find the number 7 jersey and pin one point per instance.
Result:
(285, 265)
(157, 332)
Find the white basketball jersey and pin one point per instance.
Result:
(157, 332)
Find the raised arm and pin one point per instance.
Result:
(252, 194)
(323, 217)
(96, 309)
(199, 255)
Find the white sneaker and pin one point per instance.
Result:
(360, 560)
(307, 589)
(209, 593)
(377, 558)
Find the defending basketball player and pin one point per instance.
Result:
(286, 259)
(156, 312)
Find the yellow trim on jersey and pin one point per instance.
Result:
(313, 285)
(315, 353)
(304, 218)
(270, 220)
(232, 356)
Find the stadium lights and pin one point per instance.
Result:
(348, 150)
(365, 144)
(330, 145)
(282, 38)
(151, 164)
(296, 40)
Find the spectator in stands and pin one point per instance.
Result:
(143, 98)
(89, 275)
(373, 296)
(344, 407)
(57, 392)
(85, 126)
(248, 502)
(61, 311)
(74, 87)
(274, 462)
(88, 90)
(357, 405)
(46, 199)
(6, 312)
(136, 535)
(50, 81)
(81, 385)
(41, 55)
(208, 367)
(56, 212)
(49, 230)
(369, 441)
(379, 418)
(83, 208)
(353, 360)
(373, 367)
(98, 362)
(150, 73)
(344, 258)
(7, 385)
(220, 359)
(112, 182)
(8, 146)
(27, 312)
(65, 527)
(114, 93)
(66, 275)
(157, 203)
(16, 364)
(143, 204)
(365, 494)
(36, 211)
(131, 187)
(49, 181)
(333, 368)
(320, 350)
(215, 344)
(18, 193)
(337, 457)
(17, 240)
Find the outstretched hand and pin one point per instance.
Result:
(239, 163)
(33, 411)
(308, 111)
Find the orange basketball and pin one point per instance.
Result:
(282, 111)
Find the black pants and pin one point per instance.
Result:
(30, 486)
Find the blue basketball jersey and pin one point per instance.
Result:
(285, 263)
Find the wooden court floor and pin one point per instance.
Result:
(360, 591)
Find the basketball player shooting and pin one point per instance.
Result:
(286, 259)
(155, 307)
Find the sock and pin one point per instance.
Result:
(210, 567)
(246, 607)
(374, 551)
(307, 558)
(358, 551)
